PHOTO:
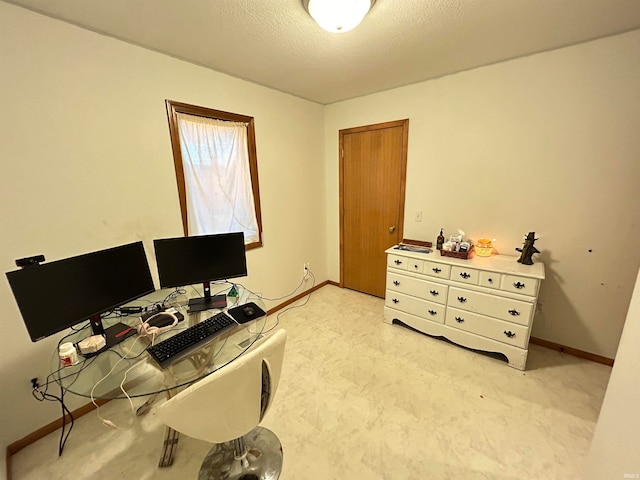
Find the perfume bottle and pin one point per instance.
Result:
(440, 239)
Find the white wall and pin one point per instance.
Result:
(86, 164)
(615, 449)
(547, 143)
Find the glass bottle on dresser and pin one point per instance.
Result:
(440, 239)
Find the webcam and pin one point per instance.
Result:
(29, 261)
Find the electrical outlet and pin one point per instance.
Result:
(305, 269)
(418, 216)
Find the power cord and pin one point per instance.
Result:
(106, 422)
(41, 393)
(308, 273)
(42, 396)
(173, 296)
(288, 309)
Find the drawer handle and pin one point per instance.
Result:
(416, 266)
(514, 313)
(395, 300)
(490, 280)
(459, 319)
(436, 270)
(462, 299)
(434, 293)
(519, 285)
(465, 275)
(509, 334)
(396, 283)
(397, 262)
(432, 312)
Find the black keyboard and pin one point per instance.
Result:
(169, 351)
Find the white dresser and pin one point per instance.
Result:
(483, 303)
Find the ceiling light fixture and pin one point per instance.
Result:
(338, 16)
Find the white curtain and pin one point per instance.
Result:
(215, 158)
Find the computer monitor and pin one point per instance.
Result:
(53, 296)
(201, 259)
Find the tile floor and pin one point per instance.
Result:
(361, 399)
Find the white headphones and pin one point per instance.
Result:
(151, 331)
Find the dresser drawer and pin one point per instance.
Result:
(523, 285)
(416, 287)
(422, 308)
(439, 270)
(396, 261)
(414, 265)
(505, 332)
(504, 308)
(490, 279)
(465, 275)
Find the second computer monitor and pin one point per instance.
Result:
(185, 261)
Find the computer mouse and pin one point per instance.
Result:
(248, 311)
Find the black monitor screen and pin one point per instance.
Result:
(190, 260)
(56, 295)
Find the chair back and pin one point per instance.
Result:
(229, 402)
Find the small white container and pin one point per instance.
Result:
(68, 354)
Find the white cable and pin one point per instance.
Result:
(106, 422)
(261, 297)
(144, 329)
(133, 415)
(282, 312)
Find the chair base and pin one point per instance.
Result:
(264, 459)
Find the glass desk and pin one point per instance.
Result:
(127, 367)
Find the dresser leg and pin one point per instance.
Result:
(518, 361)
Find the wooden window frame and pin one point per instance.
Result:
(173, 108)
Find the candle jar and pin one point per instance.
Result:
(484, 247)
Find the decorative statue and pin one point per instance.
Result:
(528, 250)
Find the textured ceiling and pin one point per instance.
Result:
(275, 43)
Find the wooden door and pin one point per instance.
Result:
(373, 162)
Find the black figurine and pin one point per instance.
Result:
(528, 250)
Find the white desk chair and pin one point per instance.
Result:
(226, 407)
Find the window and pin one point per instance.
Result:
(214, 154)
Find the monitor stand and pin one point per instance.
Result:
(207, 302)
(113, 335)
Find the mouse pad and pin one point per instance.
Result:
(245, 313)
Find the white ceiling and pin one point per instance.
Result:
(275, 43)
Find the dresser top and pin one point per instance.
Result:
(496, 263)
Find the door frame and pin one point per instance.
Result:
(403, 174)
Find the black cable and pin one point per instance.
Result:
(55, 377)
(176, 293)
(63, 437)
(76, 330)
(44, 395)
(64, 409)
